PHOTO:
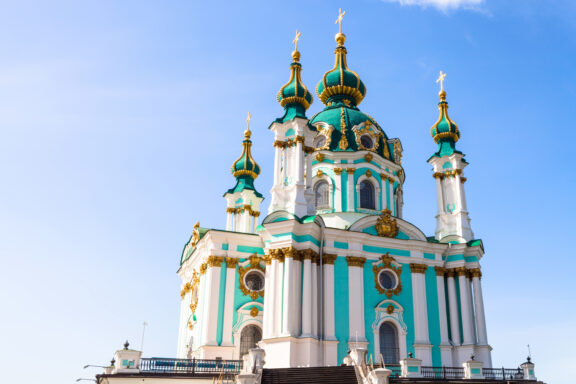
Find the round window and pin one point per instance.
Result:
(367, 141)
(319, 141)
(254, 281)
(387, 279)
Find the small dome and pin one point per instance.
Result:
(246, 165)
(295, 92)
(340, 83)
(444, 129)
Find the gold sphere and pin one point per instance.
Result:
(296, 56)
(340, 38)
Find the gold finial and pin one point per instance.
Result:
(340, 37)
(440, 80)
(247, 132)
(296, 54)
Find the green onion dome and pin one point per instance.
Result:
(445, 131)
(294, 91)
(245, 169)
(341, 83)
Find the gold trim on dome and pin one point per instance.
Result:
(397, 151)
(254, 264)
(294, 99)
(418, 268)
(340, 90)
(354, 261)
(343, 140)
(326, 131)
(387, 262)
(386, 226)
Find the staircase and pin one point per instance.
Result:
(329, 375)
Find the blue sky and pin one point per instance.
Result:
(119, 122)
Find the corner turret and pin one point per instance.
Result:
(244, 200)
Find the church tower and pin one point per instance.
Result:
(452, 221)
(291, 191)
(244, 200)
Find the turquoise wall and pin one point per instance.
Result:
(433, 315)
(341, 321)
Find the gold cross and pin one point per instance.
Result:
(441, 80)
(248, 120)
(339, 20)
(295, 41)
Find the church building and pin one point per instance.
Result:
(334, 265)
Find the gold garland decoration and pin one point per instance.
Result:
(242, 271)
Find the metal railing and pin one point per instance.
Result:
(442, 372)
(502, 373)
(191, 366)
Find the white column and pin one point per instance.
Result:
(466, 306)
(275, 317)
(267, 317)
(288, 291)
(229, 301)
(420, 305)
(356, 299)
(445, 347)
(439, 194)
(453, 303)
(184, 314)
(479, 308)
(328, 292)
(278, 295)
(314, 266)
(210, 315)
(229, 221)
(277, 173)
(296, 314)
(299, 162)
(391, 193)
(309, 171)
(338, 192)
(307, 296)
(351, 203)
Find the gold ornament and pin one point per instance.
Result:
(254, 312)
(242, 271)
(390, 309)
(196, 234)
(386, 225)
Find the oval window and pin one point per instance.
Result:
(319, 141)
(367, 141)
(387, 279)
(254, 281)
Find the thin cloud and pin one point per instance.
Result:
(443, 5)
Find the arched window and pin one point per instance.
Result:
(322, 195)
(389, 343)
(367, 199)
(249, 338)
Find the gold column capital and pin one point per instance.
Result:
(461, 271)
(338, 170)
(418, 268)
(329, 258)
(475, 272)
(440, 271)
(215, 261)
(354, 261)
(231, 262)
(350, 170)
